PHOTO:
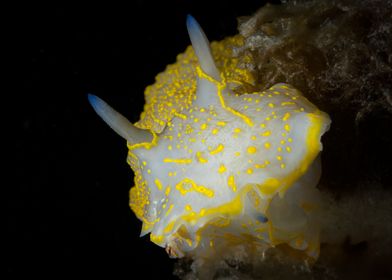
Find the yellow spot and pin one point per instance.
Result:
(267, 145)
(278, 157)
(237, 130)
(287, 103)
(200, 158)
(262, 125)
(217, 150)
(279, 149)
(202, 110)
(221, 123)
(169, 147)
(290, 140)
(271, 105)
(287, 127)
(203, 126)
(188, 129)
(158, 184)
(282, 142)
(249, 171)
(178, 161)
(252, 149)
(231, 183)
(286, 116)
(237, 154)
(167, 191)
(253, 137)
(282, 165)
(188, 207)
(195, 119)
(288, 149)
(215, 131)
(222, 169)
(149, 171)
(266, 133)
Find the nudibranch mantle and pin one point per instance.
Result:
(214, 167)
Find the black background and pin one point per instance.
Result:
(68, 206)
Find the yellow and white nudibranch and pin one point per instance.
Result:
(214, 167)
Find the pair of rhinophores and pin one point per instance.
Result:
(214, 168)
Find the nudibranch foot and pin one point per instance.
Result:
(215, 168)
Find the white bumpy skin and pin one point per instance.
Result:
(229, 169)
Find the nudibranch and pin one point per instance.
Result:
(215, 166)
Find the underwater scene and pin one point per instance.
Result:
(243, 140)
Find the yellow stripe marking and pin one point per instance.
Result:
(231, 183)
(200, 158)
(286, 116)
(158, 184)
(266, 133)
(179, 161)
(188, 185)
(217, 150)
(220, 86)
